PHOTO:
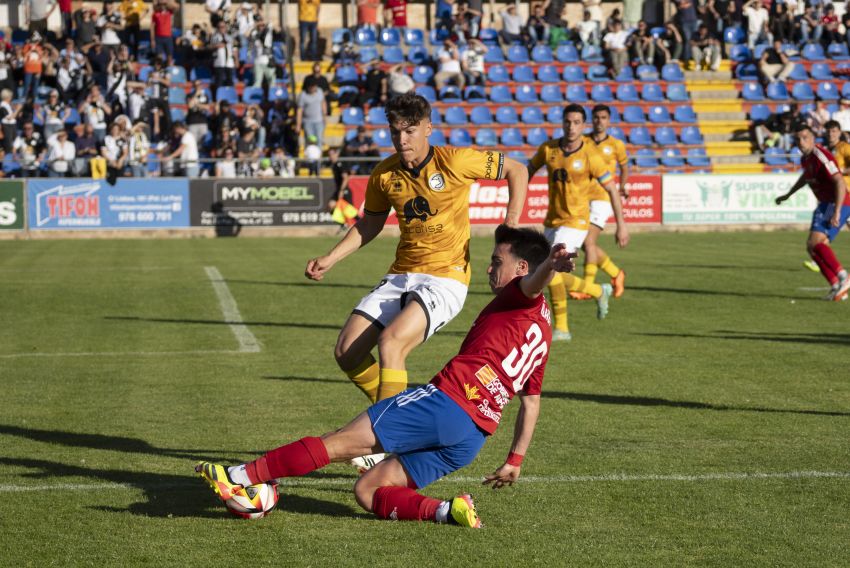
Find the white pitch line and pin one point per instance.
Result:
(247, 342)
(531, 479)
(121, 353)
(813, 288)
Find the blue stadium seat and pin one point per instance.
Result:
(536, 136)
(733, 35)
(821, 71)
(474, 94)
(555, 115)
(777, 92)
(393, 54)
(796, 156)
(747, 72)
(486, 137)
(377, 116)
(346, 75)
(414, 37)
(455, 116)
(253, 95)
(558, 133)
(498, 74)
(427, 92)
(813, 52)
(798, 73)
(340, 35)
(177, 74)
(489, 37)
(838, 52)
(512, 137)
(598, 72)
(645, 158)
(759, 113)
(227, 94)
(592, 54)
(523, 74)
(278, 93)
(506, 115)
(518, 156)
(601, 94)
(451, 93)
(672, 158)
(740, 53)
(144, 72)
(551, 94)
(652, 92)
(566, 53)
(542, 54)
(672, 72)
(365, 37)
(666, 136)
(382, 138)
(648, 73)
(691, 136)
(576, 94)
(615, 115)
(802, 92)
(677, 92)
(639, 136)
(573, 74)
(437, 138)
(526, 94)
(73, 117)
(697, 157)
(460, 138)
(481, 115)
(627, 93)
(548, 74)
(759, 50)
(390, 37)
(626, 75)
(845, 89)
(633, 114)
(176, 96)
(368, 54)
(658, 114)
(437, 36)
(352, 116)
(532, 115)
(177, 114)
(494, 55)
(752, 91)
(517, 54)
(418, 55)
(617, 133)
(685, 114)
(501, 94)
(436, 117)
(827, 91)
(775, 157)
(422, 74)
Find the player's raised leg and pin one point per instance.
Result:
(395, 343)
(830, 267)
(353, 353)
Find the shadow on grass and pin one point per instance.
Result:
(729, 293)
(361, 287)
(770, 336)
(649, 401)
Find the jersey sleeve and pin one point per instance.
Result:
(539, 159)
(475, 164)
(598, 168)
(845, 154)
(622, 156)
(376, 200)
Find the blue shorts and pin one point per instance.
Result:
(431, 434)
(822, 216)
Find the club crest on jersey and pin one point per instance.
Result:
(471, 392)
(607, 149)
(437, 182)
(578, 164)
(417, 208)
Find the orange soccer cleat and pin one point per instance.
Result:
(619, 283)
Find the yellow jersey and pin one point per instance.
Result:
(842, 156)
(308, 10)
(614, 152)
(432, 205)
(572, 176)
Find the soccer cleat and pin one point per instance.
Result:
(560, 335)
(811, 265)
(619, 283)
(602, 301)
(216, 476)
(831, 295)
(580, 296)
(365, 463)
(463, 512)
(843, 288)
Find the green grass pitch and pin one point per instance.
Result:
(705, 422)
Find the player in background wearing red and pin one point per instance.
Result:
(440, 427)
(822, 173)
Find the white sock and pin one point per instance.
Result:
(238, 475)
(442, 515)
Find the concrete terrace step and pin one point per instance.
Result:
(723, 115)
(709, 76)
(714, 94)
(735, 160)
(738, 168)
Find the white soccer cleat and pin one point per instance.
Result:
(559, 335)
(365, 463)
(843, 288)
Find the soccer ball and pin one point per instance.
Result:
(253, 501)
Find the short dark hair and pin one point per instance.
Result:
(601, 108)
(408, 108)
(573, 107)
(527, 244)
(831, 124)
(804, 128)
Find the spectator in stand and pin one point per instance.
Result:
(34, 53)
(705, 49)
(632, 13)
(395, 13)
(308, 29)
(511, 31)
(117, 77)
(669, 44)
(708, 14)
(537, 27)
(8, 120)
(247, 151)
(280, 125)
(374, 90)
(686, 20)
(60, 155)
(842, 115)
(7, 79)
(35, 14)
(186, 152)
(587, 30)
(197, 118)
(97, 63)
(262, 44)
(811, 23)
(218, 10)
(109, 25)
(224, 56)
(594, 7)
(139, 149)
(284, 165)
(310, 116)
(777, 131)
(134, 11)
(245, 19)
(829, 21)
(758, 22)
(53, 114)
(845, 21)
(361, 146)
(641, 44)
(781, 24)
(224, 141)
(86, 148)
(115, 150)
(444, 15)
(192, 47)
(367, 14)
(224, 118)
(615, 49)
(94, 111)
(29, 150)
(162, 19)
(472, 63)
(474, 13)
(817, 118)
(157, 104)
(774, 65)
(226, 166)
(313, 155)
(449, 66)
(253, 120)
(398, 81)
(86, 27)
(460, 29)
(318, 78)
(66, 16)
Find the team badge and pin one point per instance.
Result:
(577, 164)
(607, 150)
(471, 392)
(437, 182)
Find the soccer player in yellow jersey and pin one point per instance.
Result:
(574, 166)
(426, 286)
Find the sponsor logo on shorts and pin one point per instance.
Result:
(437, 182)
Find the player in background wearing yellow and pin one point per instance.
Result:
(574, 165)
(426, 286)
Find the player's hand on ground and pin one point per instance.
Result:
(622, 236)
(505, 475)
(562, 259)
(317, 267)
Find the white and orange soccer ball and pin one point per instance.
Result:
(253, 501)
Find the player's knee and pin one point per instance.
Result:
(364, 493)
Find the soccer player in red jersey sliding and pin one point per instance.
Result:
(440, 427)
(822, 173)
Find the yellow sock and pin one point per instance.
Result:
(366, 377)
(393, 382)
(558, 293)
(590, 270)
(609, 267)
(576, 284)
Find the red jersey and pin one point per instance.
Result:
(504, 353)
(819, 168)
(398, 8)
(161, 22)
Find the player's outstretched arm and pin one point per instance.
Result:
(622, 234)
(517, 176)
(840, 194)
(366, 229)
(801, 181)
(559, 260)
(526, 421)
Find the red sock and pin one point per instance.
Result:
(828, 256)
(404, 504)
(292, 460)
(824, 268)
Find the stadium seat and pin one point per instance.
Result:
(802, 92)
(377, 116)
(365, 37)
(177, 114)
(427, 92)
(598, 72)
(523, 74)
(573, 74)
(639, 136)
(518, 156)
(645, 158)
(436, 117)
(576, 94)
(281, 93)
(526, 94)
(672, 72)
(480, 115)
(626, 75)
(451, 93)
(633, 114)
(775, 157)
(517, 54)
(494, 55)
(460, 138)
(566, 53)
(652, 93)
(677, 92)
(177, 74)
(551, 94)
(437, 138)
(617, 133)
(672, 158)
(176, 96)
(838, 52)
(367, 55)
(666, 136)
(647, 73)
(340, 36)
(813, 52)
(501, 94)
(498, 74)
(821, 71)
(697, 157)
(437, 36)
(455, 116)
(506, 115)
(486, 137)
(548, 74)
(382, 138)
(489, 37)
(226, 94)
(536, 136)
(798, 73)
(759, 50)
(845, 89)
(740, 53)
(542, 54)
(73, 117)
(352, 116)
(390, 37)
(691, 136)
(555, 115)
(532, 115)
(734, 35)
(752, 91)
(759, 113)
(422, 74)
(657, 31)
(627, 93)
(474, 94)
(827, 91)
(346, 75)
(393, 54)
(747, 72)
(414, 37)
(512, 137)
(685, 114)
(615, 115)
(253, 95)
(418, 55)
(558, 133)
(144, 72)
(592, 54)
(777, 92)
(796, 156)
(601, 94)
